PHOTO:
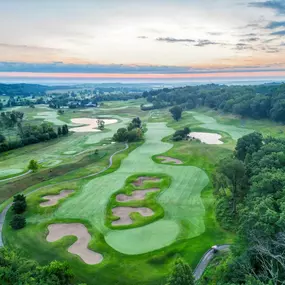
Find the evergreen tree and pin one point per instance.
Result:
(59, 131)
(19, 207)
(181, 274)
(18, 222)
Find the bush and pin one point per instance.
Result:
(19, 197)
(33, 165)
(18, 222)
(19, 207)
(177, 138)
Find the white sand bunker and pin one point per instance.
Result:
(136, 195)
(208, 138)
(124, 214)
(53, 199)
(92, 125)
(80, 247)
(140, 180)
(167, 159)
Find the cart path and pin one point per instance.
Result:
(4, 212)
(205, 260)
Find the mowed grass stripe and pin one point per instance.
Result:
(181, 202)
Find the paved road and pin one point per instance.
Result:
(208, 256)
(4, 212)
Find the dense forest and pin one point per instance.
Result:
(251, 201)
(258, 102)
(23, 90)
(17, 270)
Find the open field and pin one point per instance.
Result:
(180, 219)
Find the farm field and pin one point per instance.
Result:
(175, 218)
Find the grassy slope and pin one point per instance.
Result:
(148, 268)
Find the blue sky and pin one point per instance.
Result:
(150, 36)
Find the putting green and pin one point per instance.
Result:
(184, 209)
(211, 124)
(52, 117)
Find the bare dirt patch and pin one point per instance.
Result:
(167, 159)
(124, 214)
(136, 195)
(53, 199)
(140, 180)
(92, 125)
(80, 247)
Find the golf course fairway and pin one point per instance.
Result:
(183, 207)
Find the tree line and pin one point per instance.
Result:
(265, 101)
(15, 133)
(251, 188)
(17, 270)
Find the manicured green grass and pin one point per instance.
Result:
(266, 127)
(148, 202)
(134, 255)
(181, 201)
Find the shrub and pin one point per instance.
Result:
(18, 222)
(19, 207)
(19, 197)
(33, 165)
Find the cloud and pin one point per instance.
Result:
(243, 46)
(59, 67)
(253, 39)
(202, 43)
(274, 25)
(276, 5)
(215, 34)
(278, 33)
(175, 40)
(27, 47)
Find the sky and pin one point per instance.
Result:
(142, 38)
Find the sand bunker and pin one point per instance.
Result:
(91, 124)
(124, 214)
(136, 195)
(53, 199)
(80, 247)
(207, 138)
(140, 180)
(167, 159)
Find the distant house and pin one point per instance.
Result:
(90, 104)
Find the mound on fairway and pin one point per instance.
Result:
(211, 124)
(182, 204)
(136, 195)
(167, 159)
(92, 124)
(70, 152)
(51, 117)
(7, 172)
(208, 138)
(140, 180)
(124, 214)
(53, 199)
(80, 247)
